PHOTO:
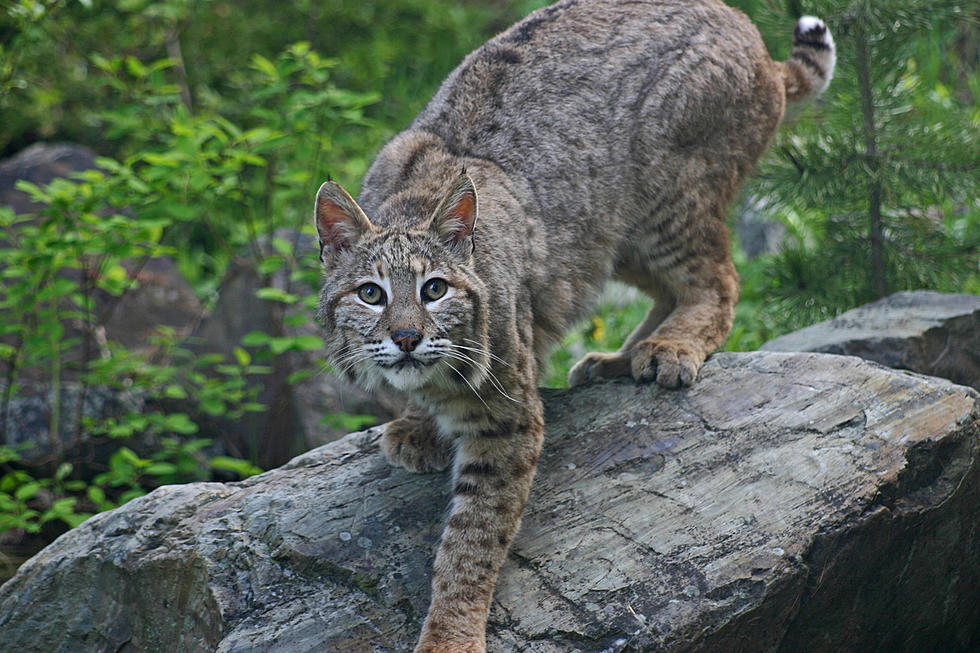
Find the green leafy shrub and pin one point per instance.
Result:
(203, 179)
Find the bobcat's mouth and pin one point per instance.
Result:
(406, 362)
(407, 373)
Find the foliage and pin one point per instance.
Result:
(197, 178)
(60, 262)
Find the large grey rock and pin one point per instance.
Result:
(923, 331)
(786, 502)
(758, 233)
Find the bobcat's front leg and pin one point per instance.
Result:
(412, 442)
(492, 476)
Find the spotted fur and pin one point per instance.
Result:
(599, 139)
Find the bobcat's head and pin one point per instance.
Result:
(402, 303)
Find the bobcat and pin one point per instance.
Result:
(593, 140)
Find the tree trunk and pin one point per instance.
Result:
(879, 273)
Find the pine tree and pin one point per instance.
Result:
(879, 183)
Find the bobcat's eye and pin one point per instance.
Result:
(371, 293)
(434, 289)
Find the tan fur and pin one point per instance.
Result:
(600, 139)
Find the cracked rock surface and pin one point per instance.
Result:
(785, 502)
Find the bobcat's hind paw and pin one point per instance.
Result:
(670, 363)
(598, 365)
(410, 443)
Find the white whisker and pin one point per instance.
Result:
(497, 385)
(469, 384)
(487, 370)
(351, 360)
(481, 351)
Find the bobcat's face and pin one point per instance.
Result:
(402, 313)
(401, 305)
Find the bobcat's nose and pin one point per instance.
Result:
(407, 339)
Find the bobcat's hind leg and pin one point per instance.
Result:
(412, 442)
(694, 305)
(697, 326)
(607, 365)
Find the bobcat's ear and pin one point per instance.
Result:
(340, 222)
(455, 218)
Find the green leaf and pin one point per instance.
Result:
(262, 64)
(213, 406)
(161, 469)
(129, 495)
(270, 264)
(255, 339)
(282, 246)
(280, 345)
(308, 342)
(348, 422)
(61, 508)
(243, 468)
(135, 67)
(180, 423)
(242, 356)
(277, 295)
(174, 391)
(75, 519)
(97, 496)
(8, 454)
(27, 491)
(299, 375)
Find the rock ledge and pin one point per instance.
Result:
(786, 502)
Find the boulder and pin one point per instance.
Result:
(27, 424)
(758, 233)
(160, 298)
(40, 164)
(923, 331)
(785, 502)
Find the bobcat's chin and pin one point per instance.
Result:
(408, 373)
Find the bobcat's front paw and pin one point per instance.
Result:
(671, 363)
(413, 444)
(598, 365)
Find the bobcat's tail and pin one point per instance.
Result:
(811, 65)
